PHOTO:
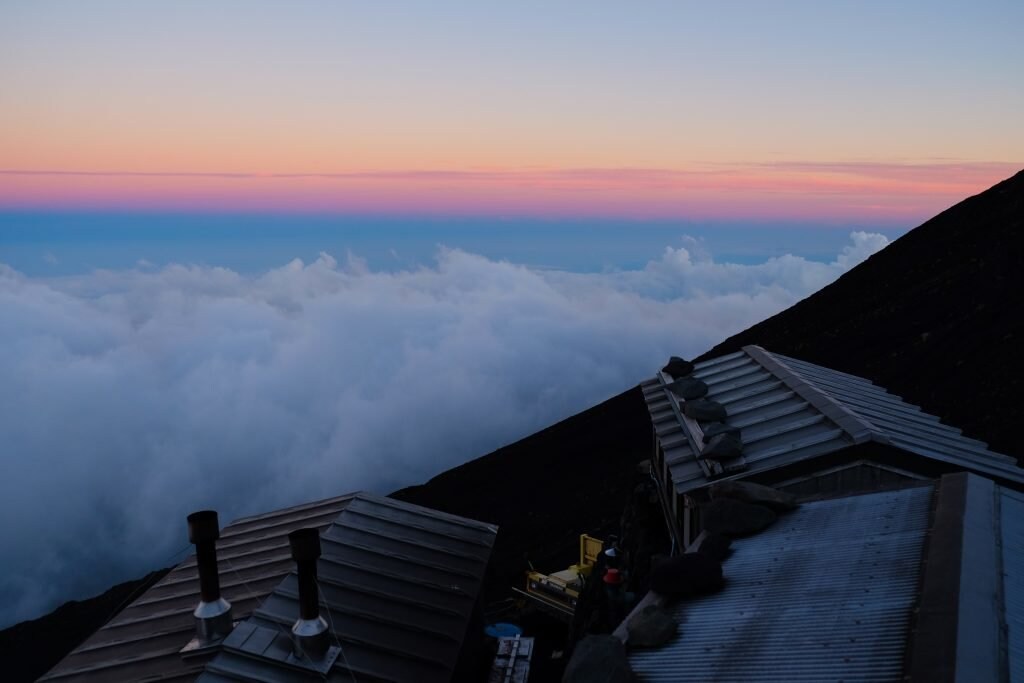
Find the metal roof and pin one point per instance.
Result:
(789, 410)
(400, 584)
(824, 594)
(142, 642)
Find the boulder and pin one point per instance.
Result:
(735, 518)
(677, 367)
(599, 659)
(723, 447)
(703, 410)
(714, 545)
(716, 428)
(688, 388)
(686, 575)
(749, 492)
(652, 626)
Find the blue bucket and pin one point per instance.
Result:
(503, 630)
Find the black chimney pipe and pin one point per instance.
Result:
(203, 531)
(311, 637)
(305, 544)
(213, 613)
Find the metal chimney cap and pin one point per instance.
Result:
(203, 526)
(305, 544)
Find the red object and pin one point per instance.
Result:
(612, 577)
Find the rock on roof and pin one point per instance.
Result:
(789, 411)
(925, 582)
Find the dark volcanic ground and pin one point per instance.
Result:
(935, 318)
(31, 648)
(547, 489)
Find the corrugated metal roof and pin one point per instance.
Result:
(824, 594)
(789, 410)
(400, 583)
(142, 642)
(1012, 538)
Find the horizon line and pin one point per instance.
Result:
(858, 167)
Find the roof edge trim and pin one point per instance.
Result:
(465, 522)
(932, 642)
(858, 429)
(978, 628)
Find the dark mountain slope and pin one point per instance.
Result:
(31, 648)
(936, 317)
(546, 489)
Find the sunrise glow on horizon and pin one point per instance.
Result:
(738, 112)
(821, 192)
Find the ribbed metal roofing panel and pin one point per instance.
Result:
(777, 425)
(902, 424)
(399, 584)
(1012, 519)
(824, 594)
(143, 641)
(789, 410)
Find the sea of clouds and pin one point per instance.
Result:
(130, 398)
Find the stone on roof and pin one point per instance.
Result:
(789, 411)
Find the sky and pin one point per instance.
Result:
(828, 112)
(254, 254)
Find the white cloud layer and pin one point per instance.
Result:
(128, 399)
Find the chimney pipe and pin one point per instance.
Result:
(310, 630)
(213, 614)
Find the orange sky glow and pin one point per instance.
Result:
(804, 112)
(805, 191)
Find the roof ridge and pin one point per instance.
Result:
(298, 507)
(856, 427)
(457, 520)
